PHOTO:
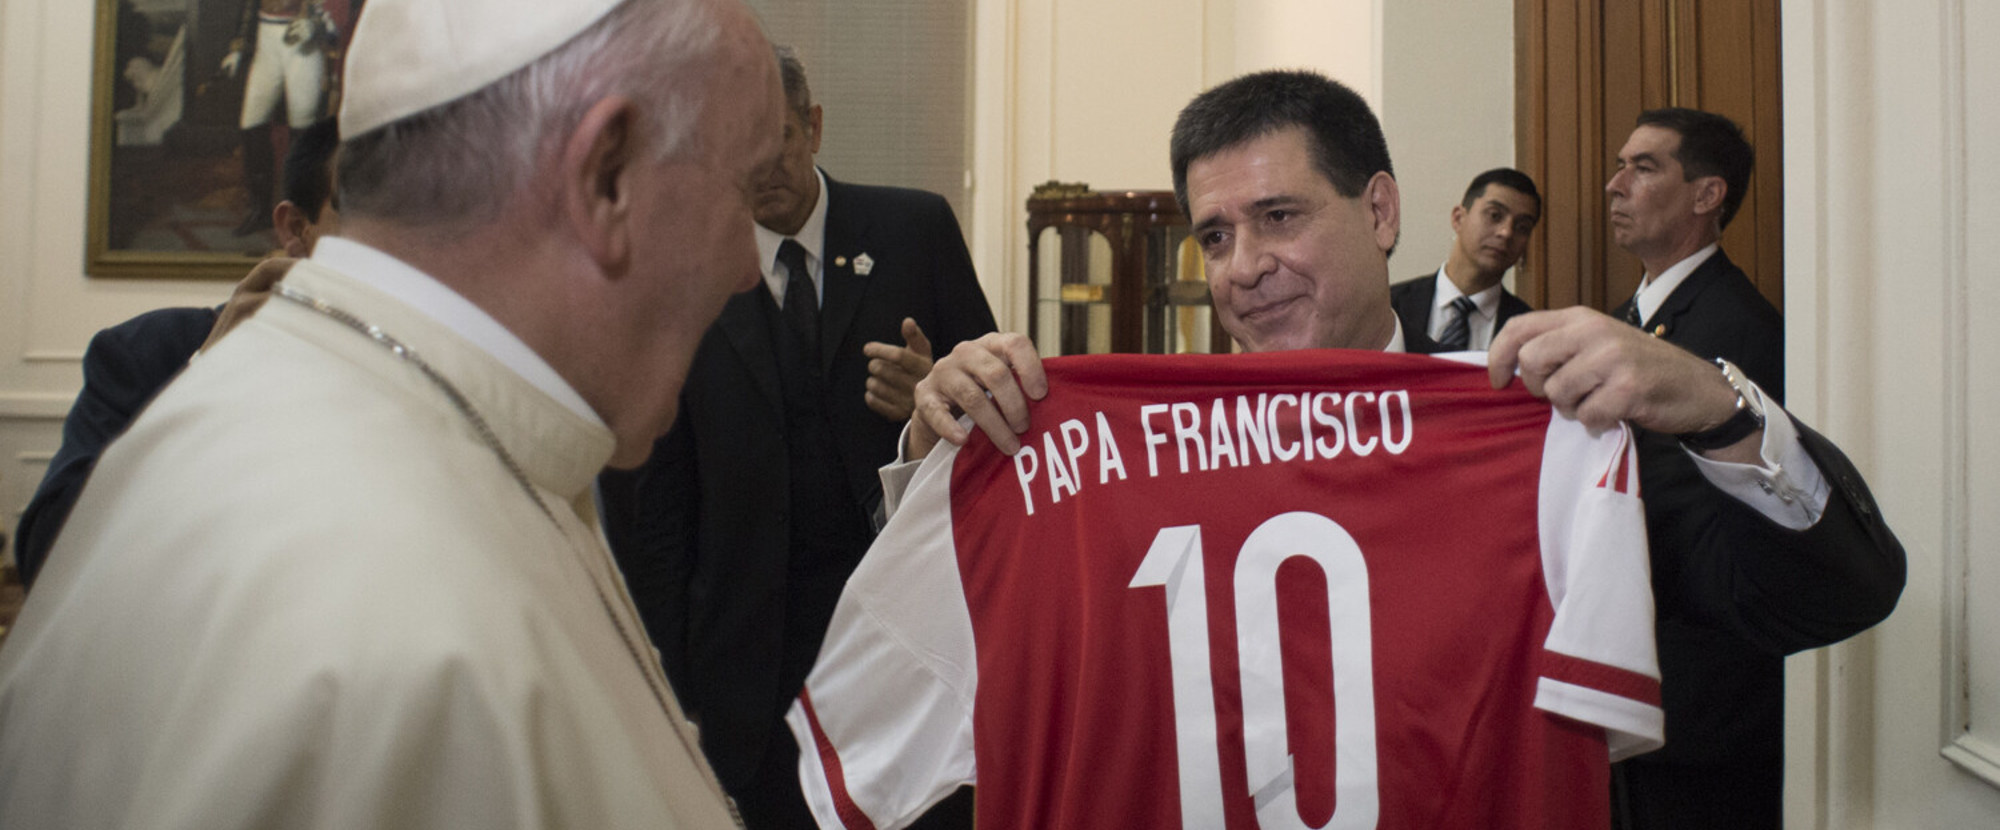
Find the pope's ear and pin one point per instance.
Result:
(597, 166)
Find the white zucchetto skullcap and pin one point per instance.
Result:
(408, 56)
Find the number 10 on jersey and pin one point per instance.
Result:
(1176, 563)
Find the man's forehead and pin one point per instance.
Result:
(1513, 201)
(1658, 143)
(1274, 169)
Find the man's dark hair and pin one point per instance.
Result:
(1343, 136)
(1506, 177)
(1711, 145)
(308, 168)
(798, 93)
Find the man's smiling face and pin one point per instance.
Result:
(1292, 264)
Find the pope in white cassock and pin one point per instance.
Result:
(344, 572)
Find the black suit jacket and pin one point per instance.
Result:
(1734, 592)
(124, 367)
(702, 532)
(1413, 301)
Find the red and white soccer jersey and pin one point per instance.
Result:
(1306, 589)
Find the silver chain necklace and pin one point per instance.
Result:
(458, 399)
(492, 442)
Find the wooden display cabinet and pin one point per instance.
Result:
(1115, 272)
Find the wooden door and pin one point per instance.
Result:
(1584, 70)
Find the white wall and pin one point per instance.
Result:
(1447, 108)
(1342, 38)
(1892, 213)
(1058, 99)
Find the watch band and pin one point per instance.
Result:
(1747, 419)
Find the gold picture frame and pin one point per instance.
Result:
(172, 170)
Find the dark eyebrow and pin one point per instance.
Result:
(1259, 206)
(1278, 201)
(1203, 226)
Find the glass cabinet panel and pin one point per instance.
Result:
(1074, 318)
(1115, 272)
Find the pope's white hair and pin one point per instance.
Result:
(457, 164)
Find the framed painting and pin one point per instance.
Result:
(193, 104)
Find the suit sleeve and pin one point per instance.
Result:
(1721, 565)
(650, 520)
(962, 311)
(123, 368)
(1599, 664)
(1412, 305)
(884, 724)
(1782, 590)
(1510, 308)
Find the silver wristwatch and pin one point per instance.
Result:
(1748, 418)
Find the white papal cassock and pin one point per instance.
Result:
(302, 592)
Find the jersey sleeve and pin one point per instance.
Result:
(1599, 664)
(884, 723)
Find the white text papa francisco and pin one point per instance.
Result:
(1224, 432)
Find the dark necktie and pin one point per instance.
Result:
(1458, 333)
(801, 302)
(1632, 313)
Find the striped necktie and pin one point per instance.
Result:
(1457, 335)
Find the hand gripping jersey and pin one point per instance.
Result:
(1305, 589)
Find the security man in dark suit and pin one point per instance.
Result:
(739, 533)
(1681, 177)
(1463, 305)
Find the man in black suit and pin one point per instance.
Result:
(1681, 177)
(739, 533)
(1764, 538)
(129, 363)
(1463, 305)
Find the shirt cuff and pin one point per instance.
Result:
(896, 475)
(1788, 488)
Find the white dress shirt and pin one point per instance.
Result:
(811, 236)
(1654, 291)
(1485, 312)
(1788, 488)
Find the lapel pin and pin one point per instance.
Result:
(1660, 330)
(863, 264)
(840, 262)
